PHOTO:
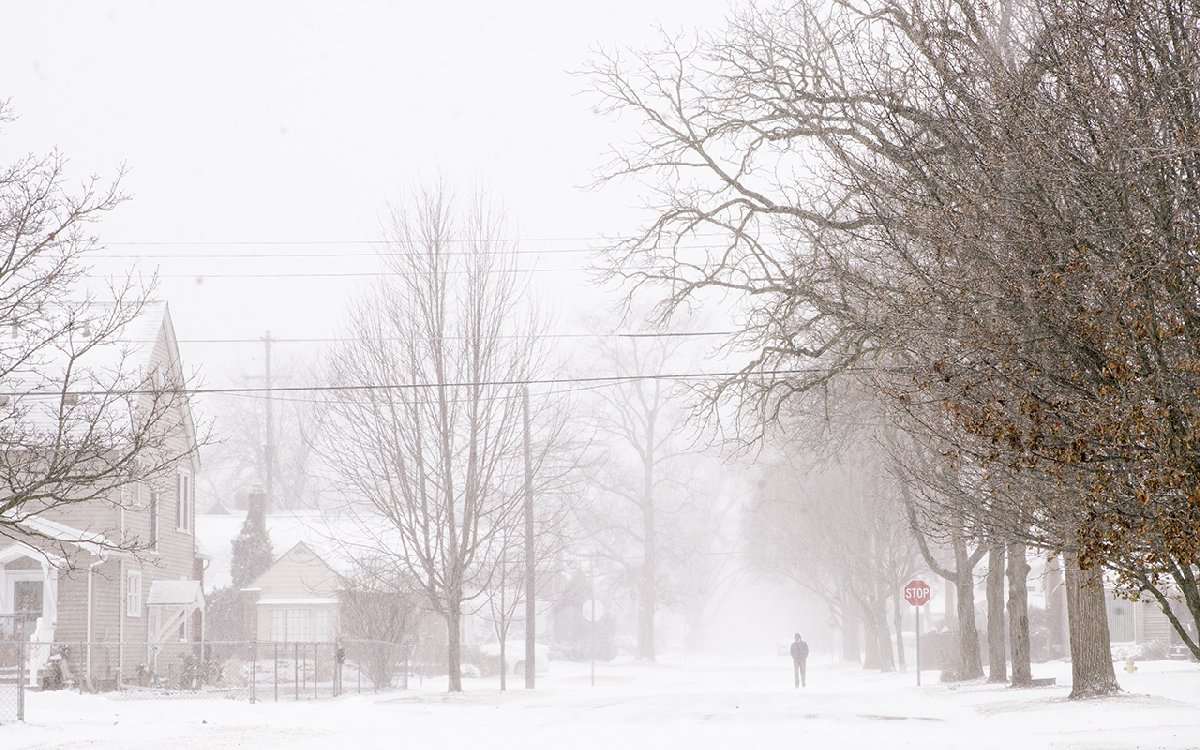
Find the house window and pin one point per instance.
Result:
(185, 502)
(301, 625)
(152, 510)
(133, 593)
(147, 500)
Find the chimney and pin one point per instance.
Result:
(256, 504)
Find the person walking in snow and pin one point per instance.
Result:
(799, 660)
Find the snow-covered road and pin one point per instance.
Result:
(705, 703)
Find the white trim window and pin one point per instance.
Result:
(133, 593)
(184, 493)
(299, 625)
(152, 512)
(146, 499)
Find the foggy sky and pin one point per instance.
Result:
(279, 122)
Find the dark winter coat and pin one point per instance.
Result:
(799, 651)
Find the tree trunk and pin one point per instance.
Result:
(1018, 615)
(871, 656)
(970, 663)
(851, 642)
(887, 661)
(697, 628)
(1055, 606)
(997, 669)
(898, 619)
(649, 583)
(454, 646)
(646, 603)
(503, 628)
(503, 666)
(1087, 620)
(951, 606)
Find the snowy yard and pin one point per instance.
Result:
(705, 703)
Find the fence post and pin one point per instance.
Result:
(315, 680)
(253, 670)
(296, 668)
(21, 677)
(276, 672)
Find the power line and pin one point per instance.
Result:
(351, 274)
(350, 340)
(373, 254)
(503, 397)
(322, 243)
(614, 379)
(360, 242)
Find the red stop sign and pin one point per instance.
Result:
(916, 593)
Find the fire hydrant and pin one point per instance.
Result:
(1130, 666)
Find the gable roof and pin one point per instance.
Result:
(96, 543)
(298, 552)
(318, 533)
(124, 358)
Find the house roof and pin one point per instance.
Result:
(297, 550)
(89, 541)
(324, 536)
(120, 361)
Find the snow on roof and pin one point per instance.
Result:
(90, 541)
(172, 593)
(121, 361)
(128, 352)
(330, 539)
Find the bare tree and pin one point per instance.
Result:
(702, 564)
(238, 461)
(827, 522)
(638, 425)
(82, 415)
(426, 440)
(555, 486)
(988, 202)
(379, 604)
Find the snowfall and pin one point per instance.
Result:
(694, 703)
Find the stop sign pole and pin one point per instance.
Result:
(916, 593)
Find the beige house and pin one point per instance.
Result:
(70, 586)
(295, 600)
(1143, 622)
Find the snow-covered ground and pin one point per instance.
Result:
(701, 704)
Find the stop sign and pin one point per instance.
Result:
(916, 592)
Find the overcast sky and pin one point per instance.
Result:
(268, 123)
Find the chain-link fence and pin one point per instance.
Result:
(254, 671)
(12, 668)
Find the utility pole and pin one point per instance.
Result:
(269, 448)
(530, 578)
